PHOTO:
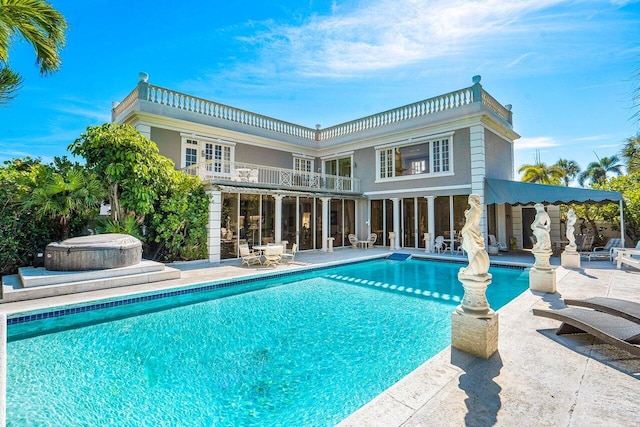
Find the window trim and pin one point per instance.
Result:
(187, 141)
(416, 141)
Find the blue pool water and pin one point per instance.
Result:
(306, 349)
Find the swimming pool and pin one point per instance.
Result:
(304, 349)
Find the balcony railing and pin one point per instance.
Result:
(285, 179)
(180, 101)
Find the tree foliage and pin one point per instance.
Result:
(63, 191)
(631, 154)
(40, 25)
(131, 165)
(178, 226)
(541, 173)
(22, 234)
(598, 172)
(629, 186)
(570, 170)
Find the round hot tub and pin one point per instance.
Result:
(97, 252)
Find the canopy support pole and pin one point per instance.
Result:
(622, 235)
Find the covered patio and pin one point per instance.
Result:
(514, 198)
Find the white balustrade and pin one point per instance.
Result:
(213, 170)
(452, 100)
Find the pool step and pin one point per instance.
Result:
(34, 283)
(398, 257)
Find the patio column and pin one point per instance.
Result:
(478, 169)
(431, 221)
(278, 218)
(325, 222)
(213, 225)
(396, 220)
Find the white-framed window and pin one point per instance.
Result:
(414, 159)
(301, 164)
(191, 153)
(339, 166)
(218, 155)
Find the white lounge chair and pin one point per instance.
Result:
(629, 257)
(603, 252)
(495, 243)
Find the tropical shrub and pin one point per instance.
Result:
(178, 226)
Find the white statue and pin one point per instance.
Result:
(473, 241)
(571, 221)
(541, 226)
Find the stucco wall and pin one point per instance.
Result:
(366, 172)
(498, 156)
(168, 142)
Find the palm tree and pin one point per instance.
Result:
(63, 195)
(570, 170)
(596, 172)
(38, 23)
(631, 154)
(541, 173)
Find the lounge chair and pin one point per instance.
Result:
(626, 256)
(618, 307)
(248, 256)
(439, 245)
(273, 255)
(603, 252)
(493, 242)
(619, 332)
(290, 256)
(353, 240)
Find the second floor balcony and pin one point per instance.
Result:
(251, 175)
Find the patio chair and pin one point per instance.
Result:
(460, 250)
(372, 239)
(618, 332)
(248, 256)
(290, 256)
(603, 252)
(618, 307)
(495, 243)
(353, 240)
(439, 245)
(273, 255)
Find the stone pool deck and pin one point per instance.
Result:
(535, 379)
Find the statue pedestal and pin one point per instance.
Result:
(474, 326)
(473, 335)
(570, 259)
(474, 302)
(392, 241)
(427, 243)
(542, 277)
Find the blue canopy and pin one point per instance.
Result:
(526, 193)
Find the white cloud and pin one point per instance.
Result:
(534, 143)
(384, 34)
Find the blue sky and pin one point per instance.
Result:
(569, 68)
